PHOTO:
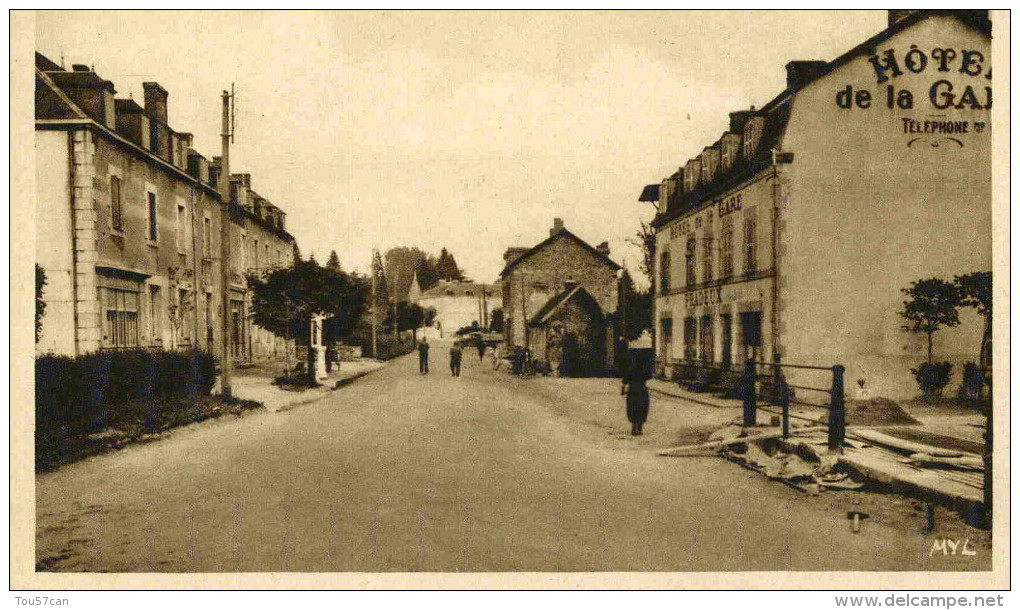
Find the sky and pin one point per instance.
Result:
(464, 130)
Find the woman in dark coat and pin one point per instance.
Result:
(637, 372)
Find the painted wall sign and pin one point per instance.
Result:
(730, 204)
(708, 296)
(687, 225)
(940, 95)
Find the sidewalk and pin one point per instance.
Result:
(277, 399)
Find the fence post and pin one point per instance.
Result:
(784, 397)
(837, 411)
(749, 398)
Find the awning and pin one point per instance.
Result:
(651, 193)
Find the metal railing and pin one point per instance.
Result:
(775, 391)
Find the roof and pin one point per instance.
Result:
(650, 193)
(561, 233)
(776, 113)
(553, 305)
(459, 289)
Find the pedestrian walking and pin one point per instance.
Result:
(455, 355)
(637, 371)
(423, 356)
(480, 344)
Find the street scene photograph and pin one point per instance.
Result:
(506, 292)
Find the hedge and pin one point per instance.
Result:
(78, 396)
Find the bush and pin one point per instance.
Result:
(75, 397)
(933, 378)
(389, 347)
(973, 379)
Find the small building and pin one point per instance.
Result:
(790, 238)
(457, 304)
(130, 219)
(560, 301)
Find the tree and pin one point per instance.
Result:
(297, 254)
(401, 264)
(446, 267)
(637, 308)
(645, 239)
(932, 305)
(40, 304)
(333, 264)
(411, 316)
(284, 301)
(976, 291)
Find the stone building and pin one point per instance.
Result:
(562, 296)
(130, 218)
(791, 236)
(457, 304)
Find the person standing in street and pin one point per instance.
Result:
(455, 355)
(637, 371)
(423, 356)
(480, 344)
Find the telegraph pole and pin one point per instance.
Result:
(375, 283)
(225, 231)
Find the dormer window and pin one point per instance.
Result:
(728, 150)
(752, 135)
(692, 172)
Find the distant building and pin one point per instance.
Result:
(457, 304)
(560, 300)
(129, 219)
(791, 236)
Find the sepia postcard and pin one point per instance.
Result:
(510, 299)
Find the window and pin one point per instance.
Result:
(727, 153)
(750, 334)
(707, 272)
(182, 228)
(726, 247)
(667, 337)
(664, 273)
(242, 259)
(727, 340)
(152, 233)
(255, 253)
(707, 346)
(207, 237)
(690, 338)
(116, 210)
(692, 271)
(120, 328)
(155, 314)
(752, 133)
(750, 237)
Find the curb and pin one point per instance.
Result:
(325, 392)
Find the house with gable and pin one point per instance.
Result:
(560, 301)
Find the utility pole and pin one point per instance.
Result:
(225, 231)
(375, 312)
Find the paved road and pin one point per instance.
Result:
(401, 472)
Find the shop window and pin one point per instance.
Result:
(706, 340)
(750, 241)
(120, 328)
(664, 273)
(726, 247)
(690, 339)
(750, 334)
(692, 271)
(116, 209)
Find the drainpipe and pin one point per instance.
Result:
(74, 250)
(776, 219)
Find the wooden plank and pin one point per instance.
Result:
(693, 450)
(910, 446)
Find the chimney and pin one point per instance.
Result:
(738, 119)
(603, 248)
(557, 226)
(155, 101)
(799, 73)
(132, 122)
(898, 14)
